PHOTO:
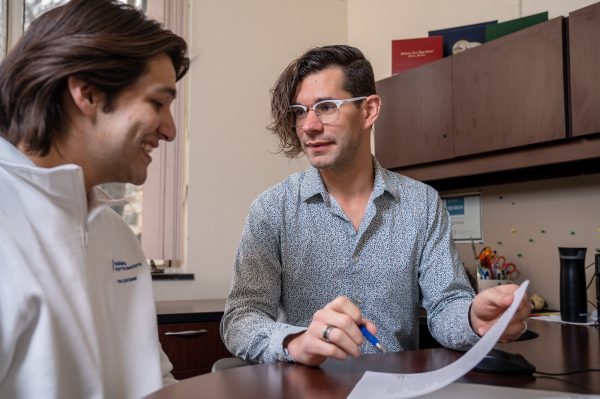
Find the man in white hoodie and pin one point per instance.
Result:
(84, 99)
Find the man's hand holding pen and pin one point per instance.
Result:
(335, 331)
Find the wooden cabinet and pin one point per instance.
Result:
(189, 335)
(510, 91)
(415, 120)
(192, 347)
(528, 103)
(584, 62)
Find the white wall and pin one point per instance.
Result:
(527, 222)
(239, 48)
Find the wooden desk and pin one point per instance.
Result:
(559, 348)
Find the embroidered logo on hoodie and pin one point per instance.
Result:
(122, 266)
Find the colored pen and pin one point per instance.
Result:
(371, 338)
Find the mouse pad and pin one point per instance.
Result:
(528, 334)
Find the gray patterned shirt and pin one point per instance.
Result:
(299, 251)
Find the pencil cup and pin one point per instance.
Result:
(485, 284)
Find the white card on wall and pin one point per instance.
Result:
(465, 214)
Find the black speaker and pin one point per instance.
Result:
(573, 299)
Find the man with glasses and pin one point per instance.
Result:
(346, 249)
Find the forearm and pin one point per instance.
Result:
(249, 322)
(447, 293)
(451, 327)
(249, 326)
(253, 336)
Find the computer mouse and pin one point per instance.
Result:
(501, 362)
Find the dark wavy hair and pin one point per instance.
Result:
(103, 42)
(359, 80)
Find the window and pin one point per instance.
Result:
(3, 28)
(161, 200)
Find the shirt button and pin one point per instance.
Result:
(355, 258)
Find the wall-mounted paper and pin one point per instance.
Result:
(465, 214)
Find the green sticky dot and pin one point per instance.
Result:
(531, 240)
(543, 231)
(499, 242)
(572, 232)
(520, 255)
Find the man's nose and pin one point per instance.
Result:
(166, 129)
(311, 122)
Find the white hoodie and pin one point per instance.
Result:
(77, 313)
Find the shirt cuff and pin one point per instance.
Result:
(276, 345)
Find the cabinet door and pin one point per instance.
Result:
(510, 91)
(192, 347)
(415, 120)
(584, 55)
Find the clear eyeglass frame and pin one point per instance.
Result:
(327, 111)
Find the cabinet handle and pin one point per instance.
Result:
(186, 333)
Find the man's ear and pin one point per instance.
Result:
(85, 97)
(372, 105)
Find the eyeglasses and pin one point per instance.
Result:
(327, 111)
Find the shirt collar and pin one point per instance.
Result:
(98, 197)
(382, 182)
(10, 155)
(313, 184)
(61, 181)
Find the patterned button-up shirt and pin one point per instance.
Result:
(299, 251)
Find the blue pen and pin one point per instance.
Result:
(371, 338)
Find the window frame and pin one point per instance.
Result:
(165, 191)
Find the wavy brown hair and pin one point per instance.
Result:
(359, 80)
(103, 42)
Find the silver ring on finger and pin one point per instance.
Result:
(326, 333)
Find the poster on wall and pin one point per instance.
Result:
(465, 214)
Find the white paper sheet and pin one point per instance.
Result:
(391, 386)
(458, 390)
(592, 315)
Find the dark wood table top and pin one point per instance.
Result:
(189, 311)
(558, 348)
